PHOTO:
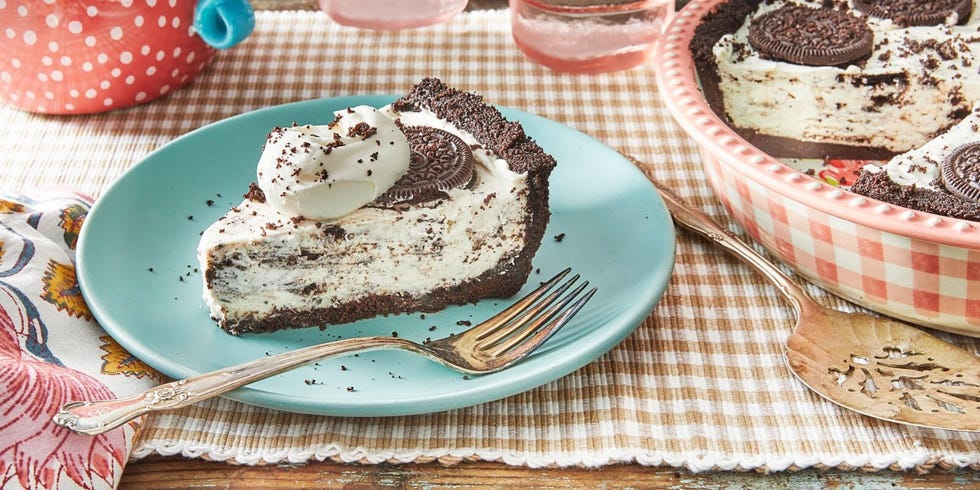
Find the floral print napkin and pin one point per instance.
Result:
(53, 352)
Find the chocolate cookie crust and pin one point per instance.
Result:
(879, 186)
(468, 112)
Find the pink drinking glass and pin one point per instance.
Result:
(391, 14)
(581, 36)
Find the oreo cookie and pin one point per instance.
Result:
(960, 172)
(440, 161)
(916, 12)
(811, 36)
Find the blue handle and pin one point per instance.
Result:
(224, 23)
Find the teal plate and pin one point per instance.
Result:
(137, 268)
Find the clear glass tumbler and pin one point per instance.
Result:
(391, 14)
(583, 36)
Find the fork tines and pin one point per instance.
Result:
(534, 318)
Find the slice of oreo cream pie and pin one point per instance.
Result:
(434, 200)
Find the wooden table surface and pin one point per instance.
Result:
(175, 472)
(159, 472)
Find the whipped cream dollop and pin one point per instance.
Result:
(324, 172)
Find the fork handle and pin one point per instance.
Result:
(691, 218)
(96, 417)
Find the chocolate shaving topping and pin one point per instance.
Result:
(254, 193)
(960, 172)
(362, 129)
(440, 161)
(810, 36)
(916, 12)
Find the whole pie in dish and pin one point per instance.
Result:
(854, 79)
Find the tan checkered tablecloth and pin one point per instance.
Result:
(700, 384)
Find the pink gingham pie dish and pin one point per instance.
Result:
(916, 266)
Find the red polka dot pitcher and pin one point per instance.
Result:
(87, 56)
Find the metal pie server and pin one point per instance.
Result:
(876, 366)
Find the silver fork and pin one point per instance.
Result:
(495, 344)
